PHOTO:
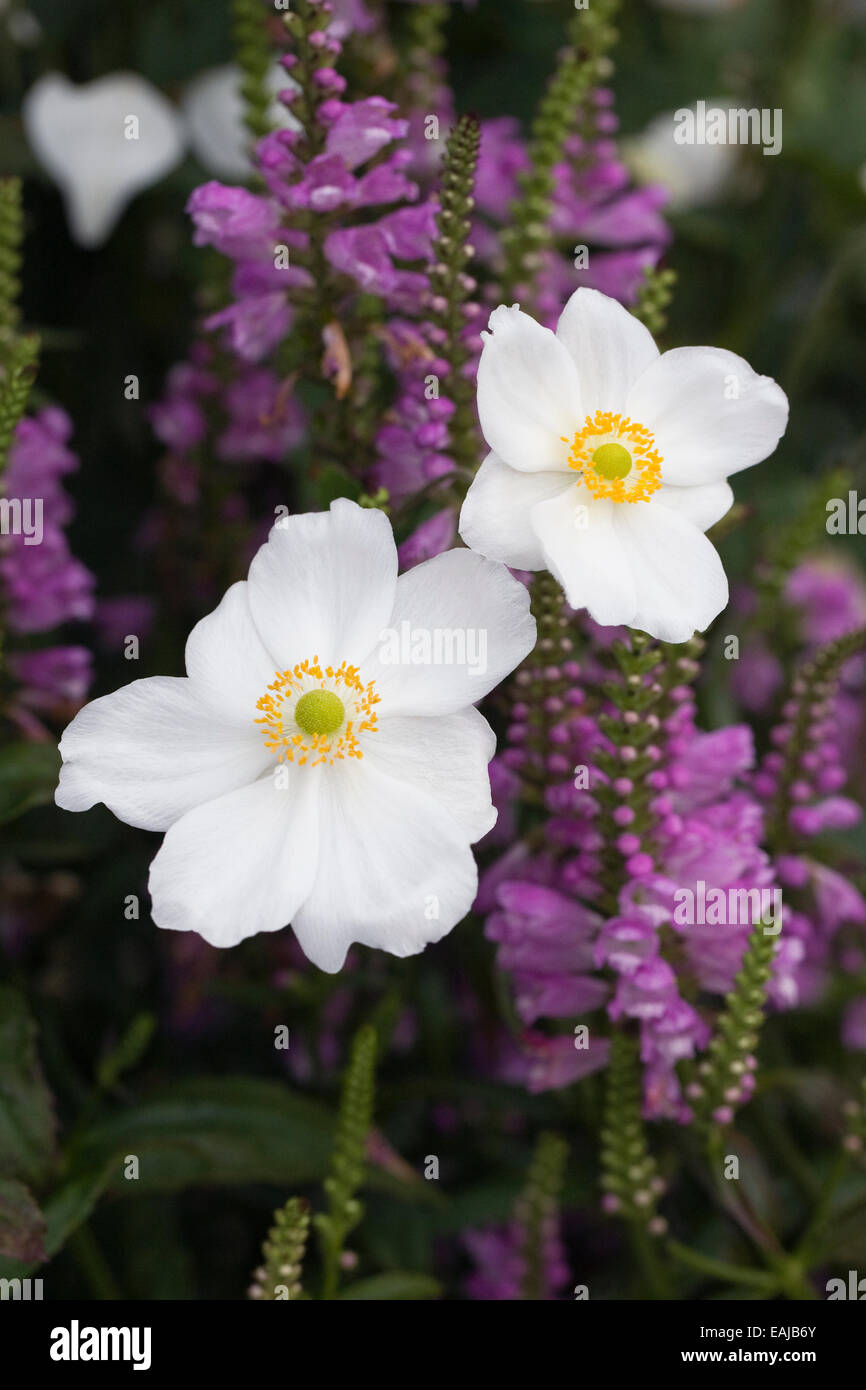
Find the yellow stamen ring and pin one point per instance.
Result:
(316, 715)
(616, 458)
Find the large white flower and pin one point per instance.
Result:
(321, 762)
(102, 143)
(609, 461)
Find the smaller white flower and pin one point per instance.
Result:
(610, 461)
(694, 175)
(302, 774)
(214, 111)
(102, 143)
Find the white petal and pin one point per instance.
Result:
(460, 624)
(703, 505)
(494, 519)
(710, 413)
(214, 112)
(395, 872)
(679, 579)
(609, 346)
(585, 553)
(446, 757)
(639, 564)
(528, 392)
(153, 750)
(324, 584)
(227, 658)
(86, 140)
(241, 864)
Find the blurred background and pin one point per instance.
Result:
(770, 255)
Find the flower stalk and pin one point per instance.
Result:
(18, 352)
(451, 286)
(349, 1160)
(278, 1278)
(811, 697)
(537, 1211)
(253, 53)
(725, 1078)
(582, 64)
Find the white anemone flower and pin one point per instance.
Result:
(213, 106)
(321, 764)
(609, 461)
(101, 143)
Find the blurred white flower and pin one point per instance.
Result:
(22, 25)
(610, 461)
(214, 111)
(302, 773)
(102, 143)
(693, 174)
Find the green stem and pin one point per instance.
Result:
(720, 1269)
(822, 1208)
(90, 1260)
(646, 1253)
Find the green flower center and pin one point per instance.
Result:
(612, 461)
(319, 712)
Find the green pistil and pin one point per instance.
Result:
(612, 461)
(319, 712)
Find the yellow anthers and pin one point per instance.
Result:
(616, 458)
(315, 715)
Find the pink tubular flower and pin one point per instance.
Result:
(429, 539)
(43, 584)
(234, 221)
(500, 1266)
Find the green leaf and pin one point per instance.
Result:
(211, 1132)
(399, 1285)
(333, 482)
(71, 1205)
(22, 1225)
(28, 777)
(64, 1212)
(216, 1131)
(27, 1120)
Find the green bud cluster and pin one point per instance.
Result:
(582, 65)
(253, 54)
(278, 1278)
(349, 1160)
(811, 692)
(451, 287)
(645, 673)
(719, 1083)
(654, 295)
(541, 678)
(537, 1211)
(18, 352)
(630, 1179)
